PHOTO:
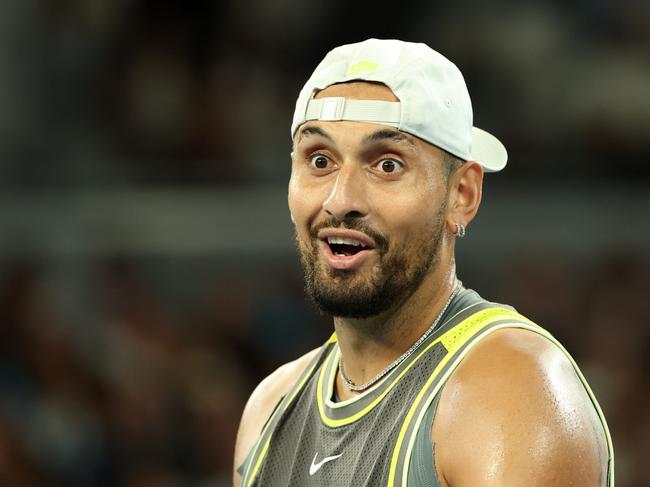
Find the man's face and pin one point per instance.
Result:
(368, 203)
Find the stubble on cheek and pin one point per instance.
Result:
(397, 272)
(323, 283)
(358, 293)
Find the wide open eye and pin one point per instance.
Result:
(319, 161)
(389, 166)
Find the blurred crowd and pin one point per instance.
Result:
(141, 387)
(124, 92)
(134, 387)
(133, 370)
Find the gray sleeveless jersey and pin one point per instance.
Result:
(382, 437)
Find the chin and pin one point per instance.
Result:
(349, 294)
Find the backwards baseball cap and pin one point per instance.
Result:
(433, 105)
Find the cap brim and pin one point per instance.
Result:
(488, 151)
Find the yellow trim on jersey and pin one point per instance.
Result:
(448, 340)
(330, 381)
(443, 379)
(452, 340)
(251, 473)
(457, 341)
(351, 419)
(251, 477)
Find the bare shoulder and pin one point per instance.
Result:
(515, 413)
(261, 404)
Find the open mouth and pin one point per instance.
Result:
(345, 246)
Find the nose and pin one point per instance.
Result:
(347, 199)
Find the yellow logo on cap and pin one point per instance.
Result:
(361, 66)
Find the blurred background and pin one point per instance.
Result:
(147, 275)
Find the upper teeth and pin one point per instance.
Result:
(344, 241)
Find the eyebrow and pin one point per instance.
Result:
(307, 131)
(378, 136)
(387, 134)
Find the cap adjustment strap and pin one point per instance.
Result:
(339, 108)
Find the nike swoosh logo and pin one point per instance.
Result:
(315, 467)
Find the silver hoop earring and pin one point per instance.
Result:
(460, 230)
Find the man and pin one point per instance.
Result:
(424, 383)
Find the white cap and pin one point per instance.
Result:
(434, 104)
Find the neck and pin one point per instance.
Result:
(370, 345)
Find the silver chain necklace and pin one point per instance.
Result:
(356, 388)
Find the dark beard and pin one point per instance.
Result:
(398, 275)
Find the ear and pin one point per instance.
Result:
(465, 190)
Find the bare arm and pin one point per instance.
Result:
(515, 413)
(262, 403)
